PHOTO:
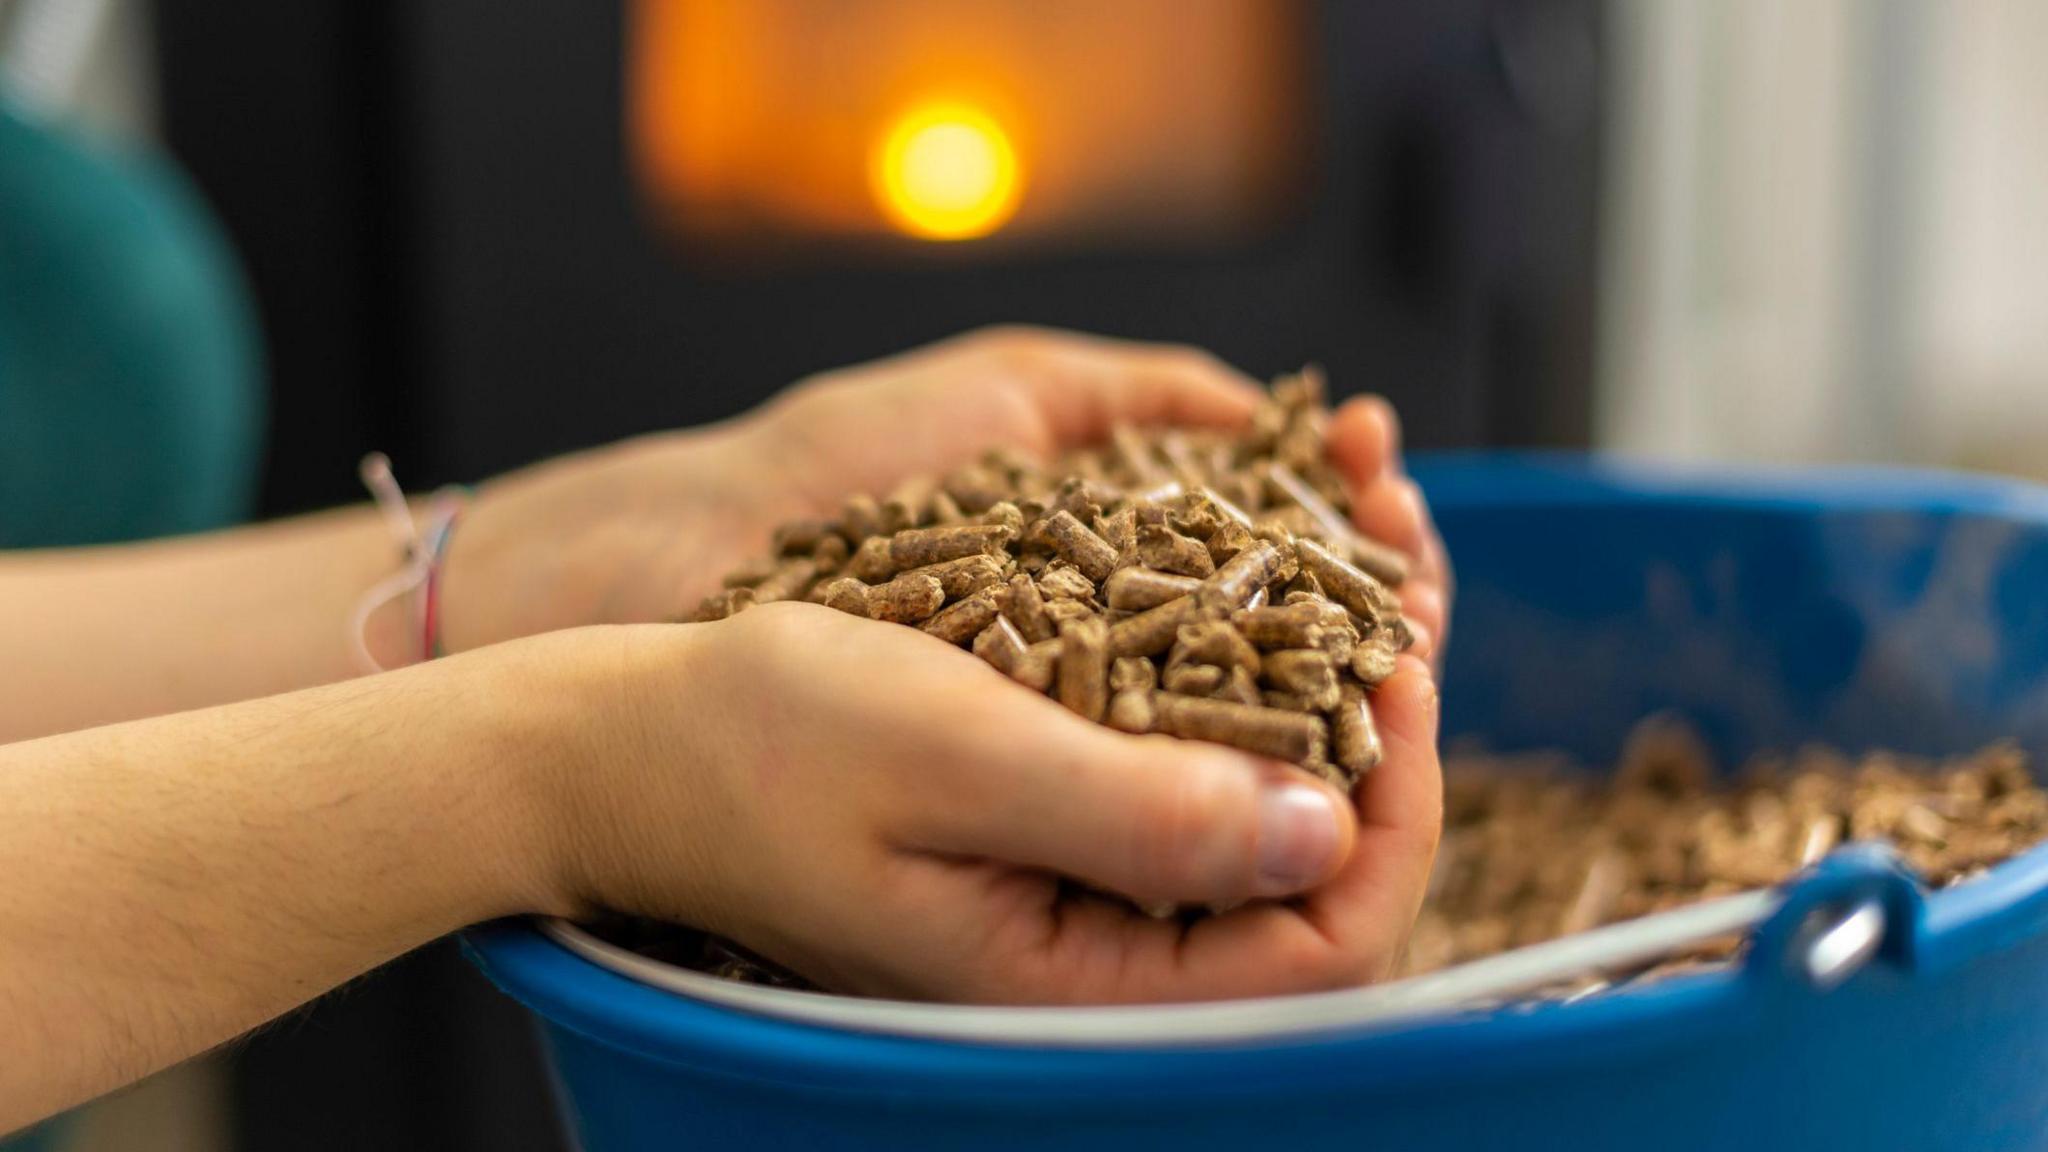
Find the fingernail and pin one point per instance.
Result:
(1298, 837)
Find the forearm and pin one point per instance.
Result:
(170, 883)
(99, 635)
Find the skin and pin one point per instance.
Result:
(210, 822)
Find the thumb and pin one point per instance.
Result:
(1150, 817)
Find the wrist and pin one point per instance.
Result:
(533, 714)
(599, 795)
(633, 532)
(394, 621)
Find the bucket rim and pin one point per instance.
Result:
(577, 997)
(1466, 988)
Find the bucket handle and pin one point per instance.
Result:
(1814, 932)
(1857, 904)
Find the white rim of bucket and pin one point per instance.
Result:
(1475, 985)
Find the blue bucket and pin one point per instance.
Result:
(1865, 609)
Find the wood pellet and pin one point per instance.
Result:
(1200, 585)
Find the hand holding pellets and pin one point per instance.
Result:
(1199, 585)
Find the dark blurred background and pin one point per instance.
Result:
(459, 256)
(477, 236)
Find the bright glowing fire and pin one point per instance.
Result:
(793, 124)
(946, 172)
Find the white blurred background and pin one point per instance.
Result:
(1825, 233)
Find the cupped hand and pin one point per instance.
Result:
(642, 530)
(887, 815)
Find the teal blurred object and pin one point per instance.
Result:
(131, 400)
(130, 375)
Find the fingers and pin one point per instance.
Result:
(1348, 931)
(1426, 596)
(1365, 445)
(1083, 386)
(1038, 390)
(1368, 909)
(1422, 606)
(1364, 439)
(1022, 943)
(1148, 817)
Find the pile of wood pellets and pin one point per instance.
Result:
(1535, 847)
(1202, 585)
